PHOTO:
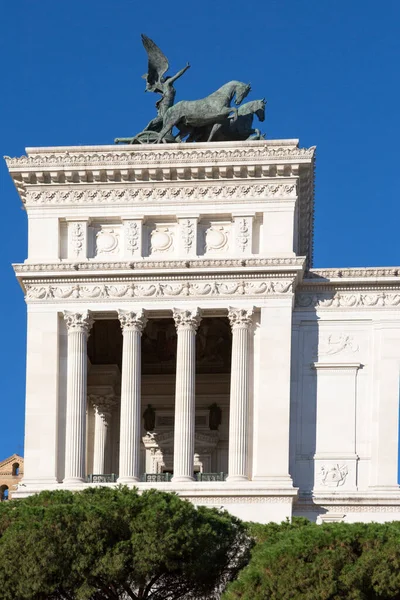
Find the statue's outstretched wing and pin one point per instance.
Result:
(158, 62)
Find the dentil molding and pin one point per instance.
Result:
(207, 263)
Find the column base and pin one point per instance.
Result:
(182, 479)
(127, 480)
(71, 481)
(238, 478)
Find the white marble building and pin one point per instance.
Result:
(179, 276)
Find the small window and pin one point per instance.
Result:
(15, 469)
(3, 493)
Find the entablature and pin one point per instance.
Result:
(349, 288)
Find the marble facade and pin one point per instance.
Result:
(180, 276)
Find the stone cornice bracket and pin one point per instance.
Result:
(187, 319)
(104, 405)
(78, 322)
(132, 320)
(240, 317)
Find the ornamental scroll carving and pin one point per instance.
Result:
(77, 239)
(132, 237)
(348, 300)
(188, 227)
(243, 238)
(143, 290)
(150, 194)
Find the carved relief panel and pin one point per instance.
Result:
(106, 241)
(215, 238)
(160, 239)
(77, 235)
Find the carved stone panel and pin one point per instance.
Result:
(216, 237)
(132, 231)
(77, 240)
(243, 227)
(106, 241)
(161, 239)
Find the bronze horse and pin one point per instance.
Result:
(210, 111)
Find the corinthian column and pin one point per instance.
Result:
(241, 321)
(103, 407)
(187, 322)
(78, 327)
(132, 324)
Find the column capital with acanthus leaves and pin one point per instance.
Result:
(240, 317)
(187, 319)
(78, 322)
(132, 320)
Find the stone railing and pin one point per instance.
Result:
(109, 478)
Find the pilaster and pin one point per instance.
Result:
(272, 396)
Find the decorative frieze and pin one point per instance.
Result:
(147, 291)
(339, 299)
(351, 273)
(172, 194)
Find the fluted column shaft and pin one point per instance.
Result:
(241, 322)
(78, 327)
(187, 322)
(132, 324)
(103, 406)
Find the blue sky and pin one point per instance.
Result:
(71, 74)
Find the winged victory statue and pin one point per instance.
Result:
(208, 119)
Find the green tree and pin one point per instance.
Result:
(112, 544)
(321, 562)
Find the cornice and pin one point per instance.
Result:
(315, 276)
(286, 264)
(154, 154)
